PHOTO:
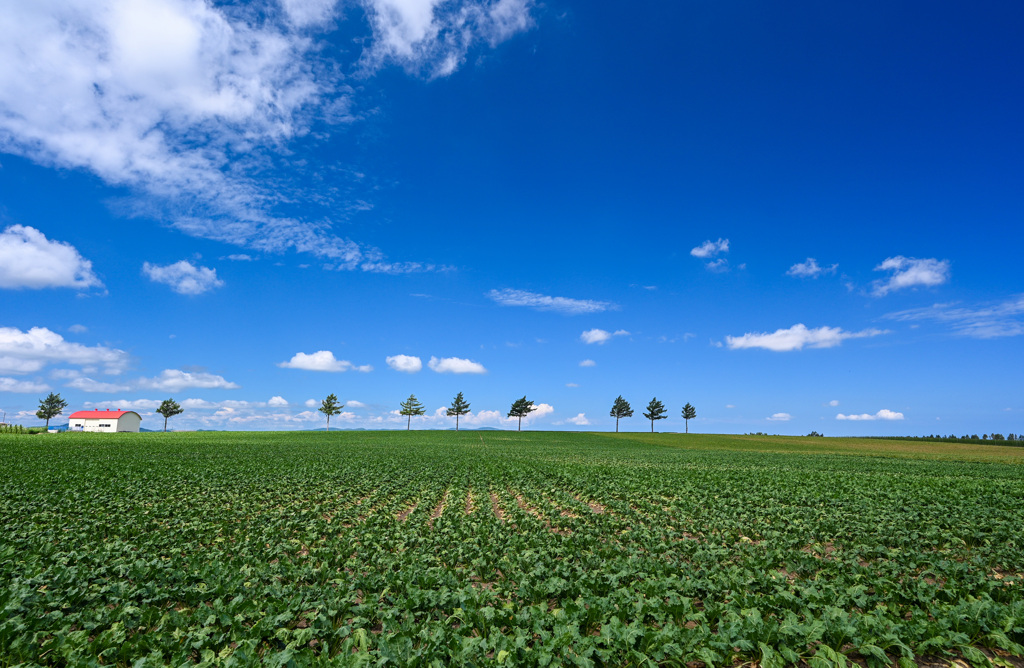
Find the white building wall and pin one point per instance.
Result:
(127, 422)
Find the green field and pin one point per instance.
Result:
(483, 548)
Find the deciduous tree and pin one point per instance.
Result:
(169, 408)
(689, 412)
(521, 408)
(411, 407)
(655, 411)
(620, 409)
(50, 407)
(459, 407)
(329, 407)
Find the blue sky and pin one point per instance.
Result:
(799, 217)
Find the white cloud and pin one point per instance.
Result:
(405, 363)
(588, 363)
(455, 365)
(599, 336)
(175, 380)
(277, 401)
(572, 384)
(541, 410)
(719, 266)
(22, 386)
(834, 403)
(710, 248)
(312, 403)
(810, 269)
(126, 404)
(352, 403)
(28, 352)
(29, 260)
(435, 36)
(89, 385)
(909, 272)
(730, 406)
(322, 360)
(986, 321)
(78, 329)
(884, 414)
(780, 417)
(185, 102)
(580, 420)
(184, 277)
(796, 337)
(541, 302)
(239, 257)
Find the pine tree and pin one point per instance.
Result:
(169, 408)
(521, 408)
(50, 407)
(689, 412)
(411, 407)
(655, 411)
(620, 409)
(459, 407)
(329, 407)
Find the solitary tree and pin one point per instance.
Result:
(410, 407)
(655, 411)
(621, 409)
(689, 412)
(50, 407)
(329, 407)
(521, 408)
(169, 408)
(459, 407)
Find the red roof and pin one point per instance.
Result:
(98, 414)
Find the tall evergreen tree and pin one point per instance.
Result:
(620, 409)
(50, 407)
(411, 407)
(459, 407)
(521, 408)
(169, 408)
(689, 412)
(329, 407)
(655, 411)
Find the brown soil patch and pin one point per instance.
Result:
(404, 515)
(470, 507)
(496, 507)
(439, 510)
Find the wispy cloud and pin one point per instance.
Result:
(780, 417)
(183, 277)
(810, 269)
(884, 414)
(586, 363)
(600, 336)
(29, 260)
(186, 103)
(797, 337)
(509, 297)
(29, 351)
(909, 272)
(455, 365)
(988, 321)
(710, 248)
(22, 386)
(322, 360)
(175, 380)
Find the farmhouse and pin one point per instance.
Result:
(104, 420)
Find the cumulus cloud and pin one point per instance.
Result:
(22, 386)
(89, 385)
(29, 260)
(29, 351)
(810, 269)
(352, 403)
(322, 360)
(834, 403)
(405, 363)
(710, 248)
(588, 363)
(580, 420)
(985, 321)
(780, 417)
(184, 277)
(312, 403)
(277, 401)
(796, 337)
(541, 302)
(884, 414)
(600, 336)
(175, 380)
(185, 102)
(455, 365)
(908, 272)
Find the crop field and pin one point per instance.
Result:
(498, 548)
